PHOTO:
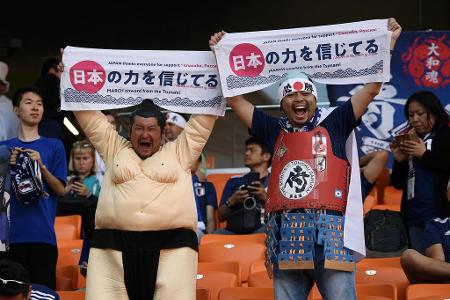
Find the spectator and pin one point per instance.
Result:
(32, 237)
(9, 123)
(434, 266)
(206, 197)
(15, 284)
(371, 164)
(175, 124)
(52, 122)
(422, 165)
(242, 198)
(308, 186)
(146, 214)
(83, 185)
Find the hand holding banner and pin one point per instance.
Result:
(181, 81)
(333, 54)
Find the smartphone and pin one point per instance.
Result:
(402, 137)
(252, 176)
(76, 178)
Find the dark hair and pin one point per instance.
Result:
(14, 271)
(148, 109)
(17, 97)
(49, 63)
(261, 144)
(432, 105)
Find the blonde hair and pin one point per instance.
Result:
(82, 146)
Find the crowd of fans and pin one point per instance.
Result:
(73, 171)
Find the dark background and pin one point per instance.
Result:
(30, 32)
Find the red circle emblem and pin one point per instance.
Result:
(87, 76)
(298, 86)
(246, 60)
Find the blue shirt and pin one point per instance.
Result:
(437, 231)
(40, 292)
(205, 194)
(34, 222)
(234, 183)
(339, 123)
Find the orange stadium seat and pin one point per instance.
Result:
(247, 293)
(381, 291)
(392, 196)
(367, 263)
(68, 227)
(258, 238)
(371, 200)
(258, 266)
(383, 275)
(428, 291)
(232, 267)
(67, 266)
(72, 295)
(260, 279)
(214, 281)
(245, 253)
(392, 207)
(202, 294)
(219, 180)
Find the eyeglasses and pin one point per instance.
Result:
(13, 284)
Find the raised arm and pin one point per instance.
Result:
(363, 97)
(240, 105)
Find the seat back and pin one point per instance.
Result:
(246, 293)
(428, 291)
(202, 294)
(383, 275)
(392, 196)
(72, 295)
(258, 238)
(68, 227)
(232, 267)
(214, 281)
(245, 253)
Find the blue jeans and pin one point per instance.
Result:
(332, 284)
(416, 238)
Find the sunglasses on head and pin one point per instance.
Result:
(82, 144)
(13, 284)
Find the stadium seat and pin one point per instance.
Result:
(214, 281)
(259, 279)
(428, 291)
(67, 264)
(244, 253)
(381, 291)
(247, 293)
(219, 180)
(232, 267)
(383, 275)
(72, 295)
(258, 238)
(68, 227)
(392, 207)
(202, 294)
(368, 263)
(392, 196)
(258, 266)
(371, 200)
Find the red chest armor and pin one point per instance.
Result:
(306, 174)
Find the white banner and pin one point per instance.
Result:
(181, 81)
(333, 54)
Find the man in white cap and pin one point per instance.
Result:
(175, 124)
(311, 191)
(9, 123)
